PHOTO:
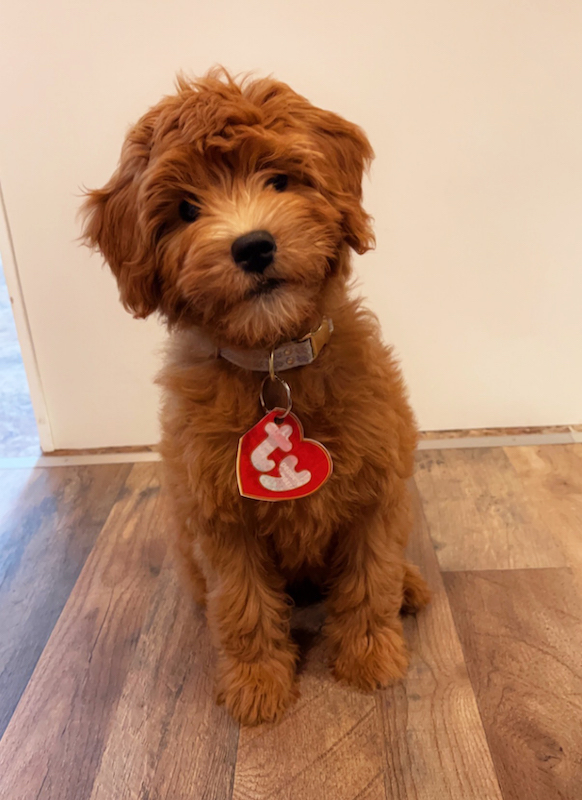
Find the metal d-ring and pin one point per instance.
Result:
(285, 385)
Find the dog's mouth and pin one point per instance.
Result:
(265, 286)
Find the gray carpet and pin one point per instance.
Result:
(18, 433)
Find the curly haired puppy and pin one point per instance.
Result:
(232, 214)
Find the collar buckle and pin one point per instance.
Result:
(320, 337)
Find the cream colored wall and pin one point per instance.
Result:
(474, 110)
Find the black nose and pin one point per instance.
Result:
(254, 251)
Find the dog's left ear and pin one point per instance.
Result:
(347, 155)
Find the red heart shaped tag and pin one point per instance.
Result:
(274, 462)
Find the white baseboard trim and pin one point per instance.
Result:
(461, 443)
(519, 440)
(77, 461)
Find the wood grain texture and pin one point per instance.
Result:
(434, 739)
(167, 738)
(53, 744)
(551, 484)
(49, 521)
(328, 746)
(522, 637)
(423, 739)
(478, 514)
(120, 704)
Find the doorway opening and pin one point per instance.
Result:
(18, 430)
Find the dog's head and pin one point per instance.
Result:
(233, 208)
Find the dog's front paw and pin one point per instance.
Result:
(255, 692)
(372, 661)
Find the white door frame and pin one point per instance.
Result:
(23, 330)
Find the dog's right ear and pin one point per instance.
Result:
(112, 224)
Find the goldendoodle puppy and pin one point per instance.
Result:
(232, 213)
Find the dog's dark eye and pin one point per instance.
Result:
(278, 182)
(189, 211)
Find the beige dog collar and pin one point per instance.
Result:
(297, 353)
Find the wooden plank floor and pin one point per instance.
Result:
(106, 668)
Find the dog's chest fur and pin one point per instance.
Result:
(351, 399)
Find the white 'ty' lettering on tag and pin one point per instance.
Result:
(277, 438)
(290, 479)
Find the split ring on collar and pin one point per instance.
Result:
(285, 385)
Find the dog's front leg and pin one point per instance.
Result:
(364, 630)
(249, 614)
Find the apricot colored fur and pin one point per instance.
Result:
(217, 142)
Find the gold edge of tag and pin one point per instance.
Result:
(238, 478)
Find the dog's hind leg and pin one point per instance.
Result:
(416, 594)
